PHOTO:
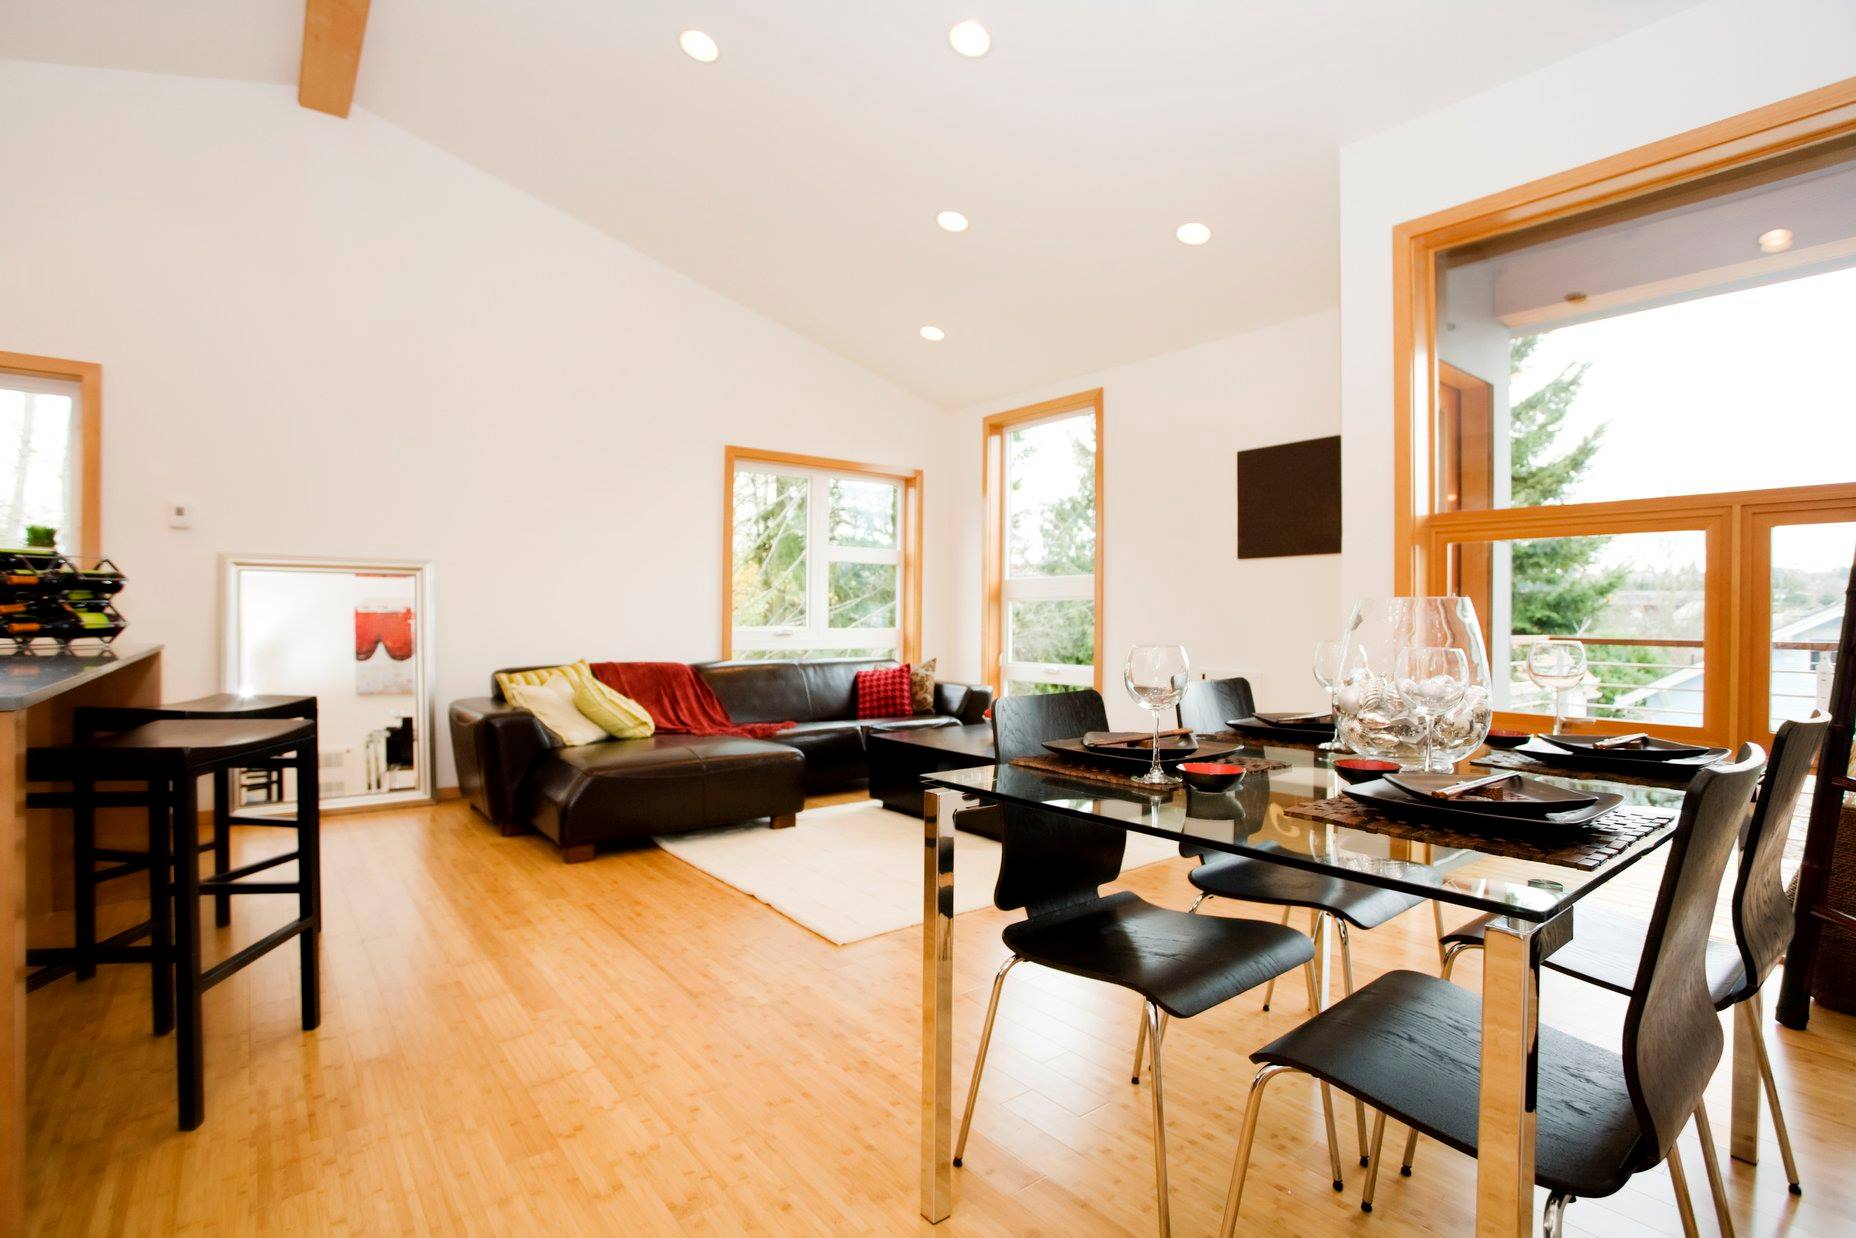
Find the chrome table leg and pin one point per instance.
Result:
(1505, 1105)
(937, 1167)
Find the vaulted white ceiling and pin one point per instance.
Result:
(801, 173)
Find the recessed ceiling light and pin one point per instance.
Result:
(934, 335)
(953, 221)
(698, 46)
(969, 38)
(1776, 241)
(1193, 234)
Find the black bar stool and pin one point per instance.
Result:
(170, 755)
(223, 705)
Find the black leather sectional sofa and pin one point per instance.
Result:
(512, 772)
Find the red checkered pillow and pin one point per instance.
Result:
(885, 693)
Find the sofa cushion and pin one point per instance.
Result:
(883, 693)
(639, 787)
(831, 684)
(759, 691)
(921, 687)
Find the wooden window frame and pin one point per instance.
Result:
(992, 495)
(88, 375)
(908, 603)
(1738, 605)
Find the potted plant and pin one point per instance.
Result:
(41, 537)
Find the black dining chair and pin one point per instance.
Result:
(1053, 867)
(1607, 945)
(1409, 1044)
(1206, 708)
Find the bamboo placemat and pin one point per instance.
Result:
(1652, 776)
(1095, 773)
(1588, 847)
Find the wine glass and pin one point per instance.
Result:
(1328, 657)
(1557, 665)
(1155, 677)
(1431, 678)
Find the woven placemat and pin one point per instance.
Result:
(1653, 776)
(1095, 773)
(1588, 847)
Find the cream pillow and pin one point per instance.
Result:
(618, 715)
(552, 703)
(540, 675)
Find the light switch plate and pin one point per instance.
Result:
(180, 515)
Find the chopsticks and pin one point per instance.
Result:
(1635, 739)
(1460, 789)
(1144, 741)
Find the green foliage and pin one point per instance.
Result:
(1557, 588)
(41, 535)
(770, 550)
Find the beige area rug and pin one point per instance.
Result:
(853, 871)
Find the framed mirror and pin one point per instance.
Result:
(356, 635)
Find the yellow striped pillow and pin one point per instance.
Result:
(534, 678)
(620, 716)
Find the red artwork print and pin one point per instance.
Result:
(374, 628)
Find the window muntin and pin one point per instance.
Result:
(40, 438)
(817, 563)
(1048, 590)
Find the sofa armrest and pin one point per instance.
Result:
(965, 701)
(495, 746)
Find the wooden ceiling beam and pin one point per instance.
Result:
(332, 33)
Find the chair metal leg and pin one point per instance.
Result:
(1450, 954)
(1711, 1160)
(1269, 990)
(1553, 1216)
(1437, 917)
(1140, 1037)
(1755, 1016)
(1346, 976)
(1684, 1205)
(1372, 1172)
(1155, 1032)
(1241, 1167)
(1327, 1116)
(979, 1062)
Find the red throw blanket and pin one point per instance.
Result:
(677, 699)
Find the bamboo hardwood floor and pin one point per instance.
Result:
(515, 1045)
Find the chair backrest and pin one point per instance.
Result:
(1048, 862)
(1210, 703)
(1672, 1036)
(1762, 912)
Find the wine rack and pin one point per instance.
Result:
(48, 596)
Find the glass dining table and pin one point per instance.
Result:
(1533, 901)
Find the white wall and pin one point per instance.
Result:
(331, 338)
(1173, 426)
(1700, 65)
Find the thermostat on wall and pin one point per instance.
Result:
(180, 515)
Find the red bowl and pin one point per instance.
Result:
(1363, 769)
(1210, 775)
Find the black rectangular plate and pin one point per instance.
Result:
(1543, 798)
(1393, 802)
(1549, 754)
(1263, 730)
(1074, 750)
(1658, 750)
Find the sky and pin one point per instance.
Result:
(1740, 391)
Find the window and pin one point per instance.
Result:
(49, 422)
(822, 559)
(1042, 630)
(1630, 422)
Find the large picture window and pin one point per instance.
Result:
(1630, 424)
(822, 559)
(1042, 630)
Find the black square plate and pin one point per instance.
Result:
(1263, 726)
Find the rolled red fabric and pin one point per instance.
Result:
(677, 699)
